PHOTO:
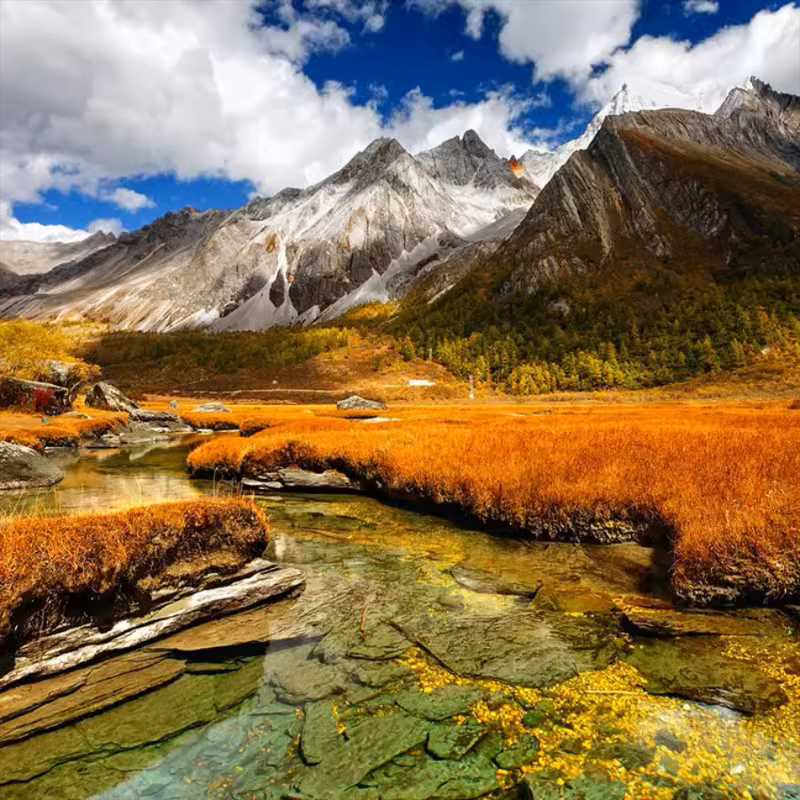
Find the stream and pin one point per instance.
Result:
(422, 659)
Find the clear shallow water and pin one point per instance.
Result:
(357, 700)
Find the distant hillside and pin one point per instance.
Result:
(667, 249)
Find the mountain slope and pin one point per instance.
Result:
(286, 258)
(539, 167)
(670, 247)
(34, 258)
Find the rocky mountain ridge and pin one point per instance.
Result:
(286, 258)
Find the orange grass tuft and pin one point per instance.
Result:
(723, 481)
(210, 421)
(68, 432)
(251, 425)
(46, 561)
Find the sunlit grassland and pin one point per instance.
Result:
(47, 561)
(721, 480)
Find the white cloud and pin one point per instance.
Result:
(561, 39)
(700, 6)
(457, 56)
(128, 199)
(13, 229)
(183, 86)
(766, 47)
(113, 225)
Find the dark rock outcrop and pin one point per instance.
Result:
(24, 468)
(108, 397)
(36, 396)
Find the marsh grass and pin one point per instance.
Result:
(723, 480)
(52, 567)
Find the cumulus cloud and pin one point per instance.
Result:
(700, 6)
(457, 56)
(766, 47)
(128, 199)
(12, 229)
(186, 87)
(561, 39)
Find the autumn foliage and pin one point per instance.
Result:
(722, 482)
(45, 561)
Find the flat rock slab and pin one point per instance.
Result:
(49, 704)
(697, 669)
(298, 676)
(478, 580)
(527, 648)
(77, 646)
(369, 745)
(450, 741)
(23, 468)
(439, 704)
(320, 734)
(369, 638)
(672, 622)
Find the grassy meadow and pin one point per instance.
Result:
(720, 479)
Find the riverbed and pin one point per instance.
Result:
(422, 659)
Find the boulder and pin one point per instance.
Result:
(356, 403)
(211, 408)
(109, 398)
(43, 398)
(24, 468)
(173, 405)
(69, 374)
(165, 420)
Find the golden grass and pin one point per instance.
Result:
(211, 421)
(251, 425)
(47, 561)
(723, 479)
(67, 432)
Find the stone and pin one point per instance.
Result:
(696, 668)
(66, 650)
(527, 648)
(672, 622)
(298, 677)
(439, 704)
(533, 787)
(23, 468)
(370, 744)
(173, 405)
(669, 740)
(443, 780)
(36, 396)
(160, 419)
(451, 741)
(108, 397)
(356, 403)
(291, 478)
(477, 580)
(522, 753)
(320, 734)
(367, 638)
(211, 408)
(631, 756)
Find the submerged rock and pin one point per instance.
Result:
(527, 648)
(23, 468)
(439, 704)
(478, 580)
(698, 669)
(370, 744)
(356, 403)
(672, 622)
(451, 741)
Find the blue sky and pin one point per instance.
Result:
(236, 97)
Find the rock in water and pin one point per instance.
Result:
(106, 396)
(478, 580)
(24, 468)
(209, 408)
(356, 403)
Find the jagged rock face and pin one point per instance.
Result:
(287, 258)
(664, 185)
(33, 258)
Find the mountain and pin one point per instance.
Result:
(539, 167)
(669, 247)
(289, 257)
(34, 258)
